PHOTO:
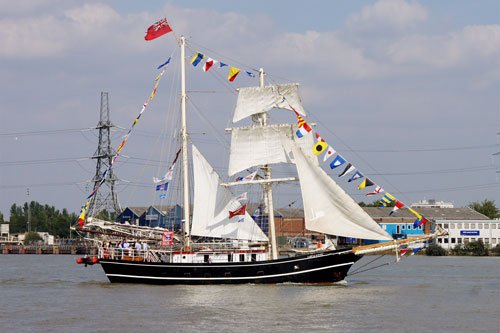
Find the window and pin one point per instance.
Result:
(459, 226)
(419, 227)
(403, 227)
(493, 226)
(453, 240)
(446, 226)
(452, 225)
(494, 240)
(466, 240)
(480, 226)
(440, 225)
(459, 240)
(472, 225)
(486, 240)
(440, 240)
(398, 229)
(409, 227)
(446, 240)
(466, 226)
(242, 257)
(473, 239)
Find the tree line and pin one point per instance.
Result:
(45, 218)
(42, 218)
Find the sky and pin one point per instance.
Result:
(408, 91)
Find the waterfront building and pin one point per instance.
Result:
(431, 203)
(168, 217)
(464, 231)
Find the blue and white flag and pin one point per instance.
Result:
(162, 187)
(357, 175)
(338, 161)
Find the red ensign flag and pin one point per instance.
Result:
(158, 29)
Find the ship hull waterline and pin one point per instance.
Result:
(323, 267)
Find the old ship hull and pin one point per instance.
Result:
(324, 267)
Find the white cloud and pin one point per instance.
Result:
(468, 47)
(388, 14)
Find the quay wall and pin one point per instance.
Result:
(47, 249)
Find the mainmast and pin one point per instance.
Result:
(184, 135)
(268, 188)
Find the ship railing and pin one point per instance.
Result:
(132, 254)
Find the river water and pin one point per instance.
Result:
(45, 293)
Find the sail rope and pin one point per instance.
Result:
(368, 263)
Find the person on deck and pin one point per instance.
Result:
(138, 246)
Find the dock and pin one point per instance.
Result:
(47, 249)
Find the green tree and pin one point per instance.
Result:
(31, 237)
(1, 218)
(486, 207)
(42, 218)
(375, 203)
(496, 250)
(435, 250)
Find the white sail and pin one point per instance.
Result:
(328, 208)
(253, 100)
(257, 145)
(212, 204)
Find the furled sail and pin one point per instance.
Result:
(253, 100)
(328, 208)
(212, 204)
(258, 145)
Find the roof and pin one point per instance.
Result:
(432, 213)
(139, 210)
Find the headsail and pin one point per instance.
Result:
(328, 208)
(256, 145)
(253, 100)
(212, 204)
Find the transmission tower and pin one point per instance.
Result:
(105, 199)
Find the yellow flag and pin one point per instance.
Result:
(319, 147)
(232, 73)
(416, 214)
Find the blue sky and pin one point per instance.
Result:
(407, 90)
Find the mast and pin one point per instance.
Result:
(184, 135)
(268, 193)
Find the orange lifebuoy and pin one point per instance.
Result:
(106, 253)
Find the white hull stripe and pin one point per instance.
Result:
(228, 278)
(220, 266)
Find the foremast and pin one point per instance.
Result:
(268, 188)
(184, 136)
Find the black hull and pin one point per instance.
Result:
(324, 267)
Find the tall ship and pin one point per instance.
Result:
(219, 241)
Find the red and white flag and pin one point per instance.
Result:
(158, 29)
(209, 63)
(377, 190)
(239, 211)
(251, 176)
(168, 238)
(398, 205)
(329, 153)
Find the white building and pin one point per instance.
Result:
(464, 231)
(431, 203)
